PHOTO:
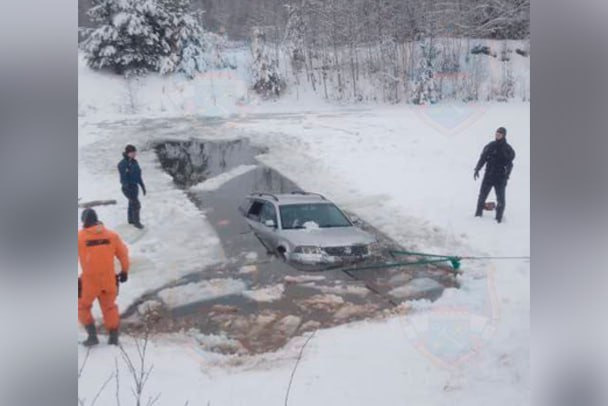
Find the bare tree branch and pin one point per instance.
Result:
(84, 363)
(101, 389)
(293, 371)
(117, 381)
(139, 373)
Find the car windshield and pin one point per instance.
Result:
(312, 215)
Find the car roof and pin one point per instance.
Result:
(291, 198)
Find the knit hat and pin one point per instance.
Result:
(502, 130)
(130, 148)
(89, 218)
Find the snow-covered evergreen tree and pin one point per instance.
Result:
(267, 79)
(130, 37)
(137, 36)
(425, 89)
(187, 39)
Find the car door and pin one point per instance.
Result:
(268, 232)
(253, 217)
(252, 214)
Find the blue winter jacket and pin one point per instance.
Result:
(130, 172)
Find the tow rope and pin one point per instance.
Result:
(453, 260)
(427, 258)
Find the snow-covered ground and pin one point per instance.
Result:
(408, 171)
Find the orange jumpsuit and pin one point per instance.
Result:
(97, 247)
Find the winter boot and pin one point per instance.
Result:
(130, 213)
(92, 338)
(136, 223)
(499, 211)
(113, 337)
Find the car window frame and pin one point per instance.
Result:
(253, 217)
(274, 210)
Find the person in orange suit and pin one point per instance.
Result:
(97, 247)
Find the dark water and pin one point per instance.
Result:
(191, 162)
(309, 300)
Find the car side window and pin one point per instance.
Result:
(244, 206)
(268, 213)
(255, 210)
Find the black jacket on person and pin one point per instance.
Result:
(498, 157)
(130, 173)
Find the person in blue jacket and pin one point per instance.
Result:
(130, 179)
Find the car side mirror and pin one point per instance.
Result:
(354, 219)
(270, 223)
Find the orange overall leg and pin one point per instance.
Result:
(85, 302)
(107, 302)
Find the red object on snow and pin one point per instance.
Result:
(489, 206)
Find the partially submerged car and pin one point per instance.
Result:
(305, 228)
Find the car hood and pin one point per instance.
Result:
(328, 237)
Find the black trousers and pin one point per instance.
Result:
(499, 186)
(131, 192)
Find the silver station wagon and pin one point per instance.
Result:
(305, 228)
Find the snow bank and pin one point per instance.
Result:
(218, 93)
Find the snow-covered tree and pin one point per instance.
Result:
(295, 34)
(425, 89)
(267, 80)
(136, 36)
(187, 39)
(130, 37)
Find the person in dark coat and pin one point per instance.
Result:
(498, 158)
(130, 179)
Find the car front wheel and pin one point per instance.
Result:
(282, 253)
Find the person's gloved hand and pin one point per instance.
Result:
(122, 277)
(143, 189)
(476, 174)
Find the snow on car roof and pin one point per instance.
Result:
(289, 198)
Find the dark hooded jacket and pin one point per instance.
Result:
(130, 172)
(498, 158)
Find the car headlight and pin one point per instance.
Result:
(308, 249)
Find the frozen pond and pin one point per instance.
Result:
(254, 299)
